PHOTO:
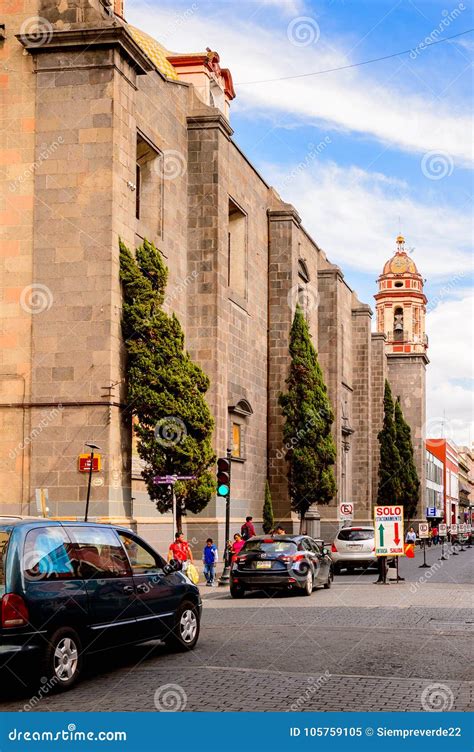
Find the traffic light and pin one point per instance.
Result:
(223, 476)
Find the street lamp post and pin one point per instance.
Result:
(225, 576)
(89, 482)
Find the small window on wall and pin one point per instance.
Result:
(237, 251)
(236, 440)
(149, 189)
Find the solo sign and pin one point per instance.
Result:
(442, 530)
(388, 523)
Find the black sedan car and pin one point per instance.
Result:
(280, 562)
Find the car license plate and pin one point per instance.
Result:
(264, 564)
(357, 547)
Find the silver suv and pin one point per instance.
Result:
(353, 547)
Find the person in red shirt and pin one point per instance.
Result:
(180, 550)
(248, 530)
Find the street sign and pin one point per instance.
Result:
(346, 511)
(169, 480)
(442, 530)
(462, 528)
(468, 528)
(431, 512)
(85, 463)
(423, 530)
(388, 523)
(453, 529)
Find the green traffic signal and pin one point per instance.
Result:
(223, 476)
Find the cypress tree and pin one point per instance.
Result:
(268, 519)
(389, 489)
(165, 388)
(310, 447)
(409, 481)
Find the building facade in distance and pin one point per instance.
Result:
(111, 136)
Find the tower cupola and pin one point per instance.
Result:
(401, 304)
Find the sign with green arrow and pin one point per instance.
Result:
(388, 524)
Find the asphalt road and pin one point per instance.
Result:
(405, 646)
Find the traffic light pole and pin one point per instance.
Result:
(225, 576)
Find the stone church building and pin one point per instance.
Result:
(106, 134)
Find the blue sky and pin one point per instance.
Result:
(363, 152)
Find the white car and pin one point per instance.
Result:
(353, 547)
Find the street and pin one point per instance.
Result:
(357, 646)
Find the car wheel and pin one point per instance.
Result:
(237, 591)
(62, 661)
(185, 632)
(328, 582)
(308, 584)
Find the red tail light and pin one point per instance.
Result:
(240, 559)
(14, 611)
(333, 549)
(295, 557)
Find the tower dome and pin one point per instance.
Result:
(401, 304)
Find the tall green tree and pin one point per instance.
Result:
(268, 518)
(409, 481)
(310, 447)
(389, 489)
(166, 389)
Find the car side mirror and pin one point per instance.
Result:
(173, 566)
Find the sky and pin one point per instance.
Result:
(363, 153)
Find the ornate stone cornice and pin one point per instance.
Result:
(87, 39)
(201, 121)
(286, 212)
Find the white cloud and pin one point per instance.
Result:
(352, 100)
(450, 396)
(352, 215)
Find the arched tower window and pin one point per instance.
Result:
(398, 323)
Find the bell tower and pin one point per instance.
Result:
(401, 309)
(401, 304)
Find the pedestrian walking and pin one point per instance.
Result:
(248, 530)
(435, 535)
(181, 551)
(210, 559)
(237, 544)
(279, 530)
(411, 536)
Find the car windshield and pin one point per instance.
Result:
(4, 538)
(355, 535)
(269, 547)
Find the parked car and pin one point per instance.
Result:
(353, 547)
(70, 588)
(284, 562)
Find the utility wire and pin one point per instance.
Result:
(353, 65)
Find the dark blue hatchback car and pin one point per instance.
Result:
(71, 588)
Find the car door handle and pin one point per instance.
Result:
(128, 589)
(143, 588)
